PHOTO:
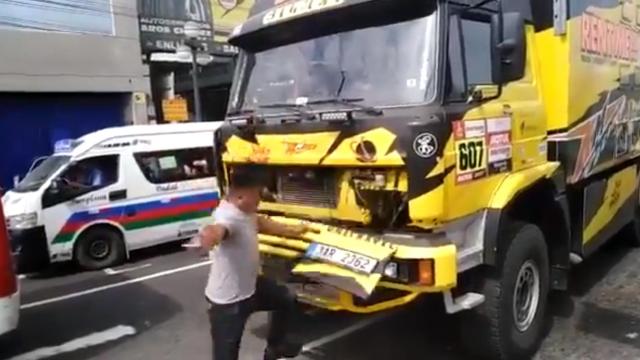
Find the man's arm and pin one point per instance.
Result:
(212, 235)
(268, 226)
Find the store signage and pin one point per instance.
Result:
(162, 24)
(175, 109)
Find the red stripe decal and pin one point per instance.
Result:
(72, 227)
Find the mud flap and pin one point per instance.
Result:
(333, 273)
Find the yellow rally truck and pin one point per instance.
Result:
(473, 149)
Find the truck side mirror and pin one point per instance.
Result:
(508, 47)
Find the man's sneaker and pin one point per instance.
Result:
(283, 351)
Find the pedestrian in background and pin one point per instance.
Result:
(234, 290)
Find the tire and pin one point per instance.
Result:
(631, 233)
(492, 330)
(99, 248)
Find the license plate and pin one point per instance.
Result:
(344, 258)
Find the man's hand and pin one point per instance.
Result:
(268, 226)
(212, 235)
(299, 230)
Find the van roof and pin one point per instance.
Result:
(89, 140)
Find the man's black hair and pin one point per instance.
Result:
(244, 178)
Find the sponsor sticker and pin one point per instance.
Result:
(472, 176)
(542, 148)
(458, 130)
(497, 154)
(500, 166)
(425, 145)
(474, 128)
(498, 125)
(499, 140)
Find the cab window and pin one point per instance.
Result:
(469, 56)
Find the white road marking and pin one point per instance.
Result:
(110, 271)
(94, 339)
(632, 336)
(112, 286)
(344, 332)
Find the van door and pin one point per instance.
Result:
(173, 193)
(90, 191)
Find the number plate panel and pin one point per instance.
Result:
(348, 259)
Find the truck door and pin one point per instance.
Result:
(90, 191)
(494, 131)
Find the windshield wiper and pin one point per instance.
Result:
(369, 110)
(299, 109)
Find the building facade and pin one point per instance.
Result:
(66, 68)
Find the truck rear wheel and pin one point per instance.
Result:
(510, 323)
(631, 233)
(99, 248)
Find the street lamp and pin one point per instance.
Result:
(190, 50)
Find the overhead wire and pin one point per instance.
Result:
(75, 9)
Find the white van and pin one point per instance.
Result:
(112, 191)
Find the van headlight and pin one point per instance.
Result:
(22, 221)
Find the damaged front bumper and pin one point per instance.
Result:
(401, 273)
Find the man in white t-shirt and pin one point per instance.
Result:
(234, 290)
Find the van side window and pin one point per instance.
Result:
(92, 173)
(167, 166)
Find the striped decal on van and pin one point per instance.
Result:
(143, 215)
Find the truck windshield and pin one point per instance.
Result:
(383, 66)
(41, 173)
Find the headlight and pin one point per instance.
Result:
(22, 221)
(391, 270)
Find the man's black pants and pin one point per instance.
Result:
(228, 320)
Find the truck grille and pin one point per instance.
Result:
(307, 187)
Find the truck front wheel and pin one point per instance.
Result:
(510, 323)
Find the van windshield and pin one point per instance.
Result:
(34, 180)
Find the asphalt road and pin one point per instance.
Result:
(153, 308)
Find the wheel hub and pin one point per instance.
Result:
(99, 249)
(526, 295)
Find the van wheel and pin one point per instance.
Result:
(510, 323)
(99, 248)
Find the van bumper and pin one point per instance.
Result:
(29, 248)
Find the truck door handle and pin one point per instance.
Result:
(117, 195)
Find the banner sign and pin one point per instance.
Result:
(162, 24)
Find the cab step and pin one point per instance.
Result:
(464, 302)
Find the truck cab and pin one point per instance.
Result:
(432, 145)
